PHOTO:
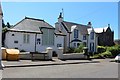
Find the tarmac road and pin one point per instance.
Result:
(102, 69)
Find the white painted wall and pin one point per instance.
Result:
(18, 36)
(70, 56)
(80, 37)
(58, 40)
(95, 41)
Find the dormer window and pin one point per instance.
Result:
(92, 35)
(75, 33)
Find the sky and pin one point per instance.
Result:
(100, 14)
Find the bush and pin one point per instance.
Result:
(106, 54)
(98, 56)
(101, 49)
(115, 50)
(79, 49)
(70, 50)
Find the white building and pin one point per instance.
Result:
(77, 33)
(33, 35)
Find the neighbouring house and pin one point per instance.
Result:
(33, 35)
(105, 36)
(77, 33)
(117, 41)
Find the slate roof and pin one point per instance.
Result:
(82, 28)
(31, 25)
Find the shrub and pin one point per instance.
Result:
(70, 50)
(106, 54)
(98, 56)
(115, 50)
(79, 49)
(101, 49)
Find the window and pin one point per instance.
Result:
(78, 44)
(59, 45)
(84, 37)
(26, 38)
(92, 35)
(75, 33)
(15, 41)
(74, 44)
(48, 37)
(92, 47)
(38, 41)
(13, 35)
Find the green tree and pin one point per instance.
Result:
(3, 24)
(8, 25)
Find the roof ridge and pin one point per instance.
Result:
(34, 19)
(77, 23)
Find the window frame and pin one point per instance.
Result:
(76, 33)
(92, 35)
(26, 38)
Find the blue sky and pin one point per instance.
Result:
(99, 13)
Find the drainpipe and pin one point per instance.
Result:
(35, 40)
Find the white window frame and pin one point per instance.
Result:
(26, 38)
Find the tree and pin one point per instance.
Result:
(8, 25)
(3, 24)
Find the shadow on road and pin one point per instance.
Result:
(32, 65)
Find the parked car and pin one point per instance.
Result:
(117, 58)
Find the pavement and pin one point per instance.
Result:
(55, 61)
